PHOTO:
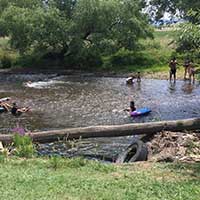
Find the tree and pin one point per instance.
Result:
(159, 7)
(4, 4)
(188, 39)
(73, 27)
(189, 34)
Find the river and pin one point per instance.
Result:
(76, 101)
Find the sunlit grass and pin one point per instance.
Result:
(83, 179)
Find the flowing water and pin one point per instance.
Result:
(76, 101)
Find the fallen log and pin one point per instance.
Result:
(109, 131)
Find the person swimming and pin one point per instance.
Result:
(16, 111)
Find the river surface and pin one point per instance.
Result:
(77, 101)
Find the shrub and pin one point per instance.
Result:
(85, 58)
(6, 62)
(24, 146)
(125, 57)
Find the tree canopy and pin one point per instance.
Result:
(71, 27)
(189, 34)
(159, 7)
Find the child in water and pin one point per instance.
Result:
(191, 71)
(138, 77)
(132, 107)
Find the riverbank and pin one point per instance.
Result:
(156, 72)
(58, 178)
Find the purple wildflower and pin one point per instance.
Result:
(18, 130)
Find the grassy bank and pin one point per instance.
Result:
(151, 60)
(58, 178)
(152, 55)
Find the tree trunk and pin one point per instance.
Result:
(110, 131)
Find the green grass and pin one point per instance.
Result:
(83, 179)
(162, 46)
(157, 51)
(146, 69)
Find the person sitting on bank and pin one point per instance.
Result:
(132, 107)
(173, 66)
(16, 111)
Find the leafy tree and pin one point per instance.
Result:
(64, 28)
(4, 4)
(189, 34)
(159, 7)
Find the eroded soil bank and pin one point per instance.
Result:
(174, 146)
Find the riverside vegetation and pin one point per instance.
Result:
(153, 58)
(82, 44)
(152, 61)
(88, 42)
(54, 177)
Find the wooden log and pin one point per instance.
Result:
(110, 131)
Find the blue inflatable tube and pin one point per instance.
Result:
(139, 112)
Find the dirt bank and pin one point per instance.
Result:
(163, 75)
(175, 146)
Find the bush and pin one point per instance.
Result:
(24, 146)
(126, 57)
(6, 62)
(85, 58)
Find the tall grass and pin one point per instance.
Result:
(23, 146)
(153, 55)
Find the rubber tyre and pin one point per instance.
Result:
(137, 151)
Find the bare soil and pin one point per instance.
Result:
(175, 146)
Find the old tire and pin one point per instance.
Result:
(137, 151)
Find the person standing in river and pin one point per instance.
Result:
(138, 77)
(173, 66)
(191, 71)
(186, 67)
